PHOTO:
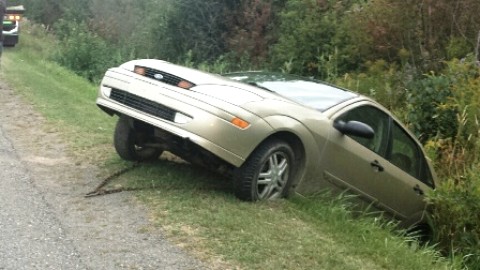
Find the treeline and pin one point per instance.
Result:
(417, 57)
(323, 38)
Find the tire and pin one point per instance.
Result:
(128, 142)
(267, 173)
(423, 232)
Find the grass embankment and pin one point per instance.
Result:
(198, 209)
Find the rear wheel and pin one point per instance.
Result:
(423, 232)
(130, 143)
(267, 173)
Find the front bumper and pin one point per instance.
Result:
(10, 40)
(207, 125)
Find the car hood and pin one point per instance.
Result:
(212, 85)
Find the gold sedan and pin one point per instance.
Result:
(274, 134)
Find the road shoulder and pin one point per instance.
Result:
(107, 232)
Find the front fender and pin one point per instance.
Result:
(311, 147)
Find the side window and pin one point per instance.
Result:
(407, 155)
(377, 120)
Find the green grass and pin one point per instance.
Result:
(65, 99)
(196, 208)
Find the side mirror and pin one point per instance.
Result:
(354, 128)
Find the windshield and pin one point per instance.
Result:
(302, 90)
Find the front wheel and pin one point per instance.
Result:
(130, 143)
(267, 173)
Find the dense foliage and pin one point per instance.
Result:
(418, 58)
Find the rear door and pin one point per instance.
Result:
(406, 176)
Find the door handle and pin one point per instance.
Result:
(376, 165)
(418, 190)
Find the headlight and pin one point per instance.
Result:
(14, 17)
(130, 66)
(106, 90)
(181, 118)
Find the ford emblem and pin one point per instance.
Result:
(158, 76)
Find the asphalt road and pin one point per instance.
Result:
(31, 235)
(45, 221)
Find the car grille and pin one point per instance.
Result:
(165, 77)
(143, 104)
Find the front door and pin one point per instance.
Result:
(353, 162)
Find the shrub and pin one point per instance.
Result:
(455, 216)
(457, 143)
(430, 110)
(83, 51)
(455, 204)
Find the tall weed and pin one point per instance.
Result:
(385, 82)
(465, 76)
(455, 203)
(456, 216)
(457, 141)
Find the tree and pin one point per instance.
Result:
(313, 38)
(193, 26)
(431, 31)
(250, 27)
(46, 12)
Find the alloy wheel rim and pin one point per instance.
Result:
(273, 176)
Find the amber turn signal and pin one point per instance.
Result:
(140, 70)
(240, 123)
(185, 85)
